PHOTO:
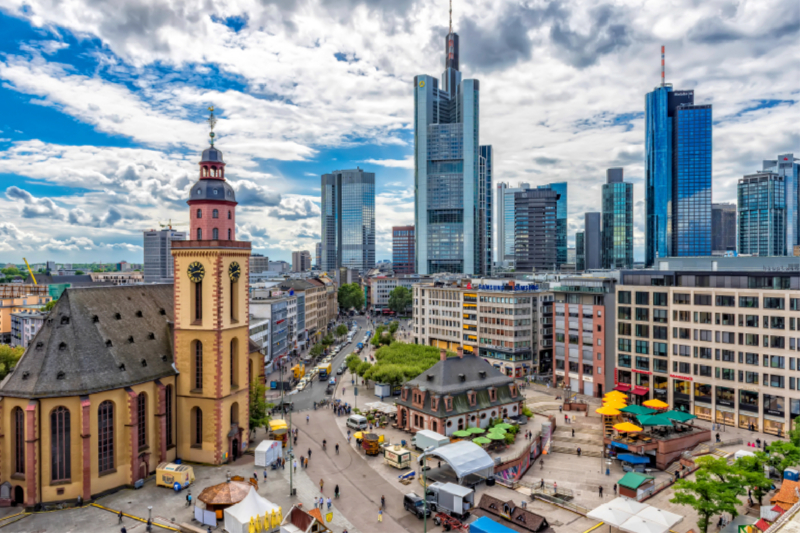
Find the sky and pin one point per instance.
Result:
(105, 105)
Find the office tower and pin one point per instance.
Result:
(158, 262)
(593, 240)
(504, 221)
(318, 255)
(403, 249)
(617, 221)
(789, 168)
(580, 252)
(762, 214)
(258, 263)
(677, 174)
(535, 229)
(483, 251)
(562, 214)
(348, 220)
(723, 228)
(451, 179)
(301, 261)
(571, 256)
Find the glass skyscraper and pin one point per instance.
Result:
(762, 214)
(452, 173)
(348, 220)
(580, 252)
(504, 221)
(678, 147)
(562, 216)
(788, 168)
(617, 221)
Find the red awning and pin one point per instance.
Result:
(640, 391)
(623, 387)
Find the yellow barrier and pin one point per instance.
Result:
(593, 528)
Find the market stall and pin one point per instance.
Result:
(267, 452)
(253, 509)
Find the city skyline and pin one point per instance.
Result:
(111, 151)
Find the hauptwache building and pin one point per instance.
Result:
(122, 378)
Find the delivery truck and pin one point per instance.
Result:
(426, 438)
(450, 498)
(324, 371)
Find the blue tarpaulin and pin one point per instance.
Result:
(487, 525)
(619, 445)
(633, 459)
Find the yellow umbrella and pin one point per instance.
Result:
(616, 394)
(358, 435)
(656, 404)
(607, 411)
(615, 405)
(627, 427)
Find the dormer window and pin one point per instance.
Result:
(151, 335)
(513, 389)
(64, 320)
(472, 397)
(492, 394)
(448, 403)
(118, 316)
(95, 319)
(139, 314)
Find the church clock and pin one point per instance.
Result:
(234, 271)
(196, 272)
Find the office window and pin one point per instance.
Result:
(624, 313)
(624, 297)
(748, 301)
(660, 298)
(642, 298)
(726, 301)
(642, 313)
(642, 347)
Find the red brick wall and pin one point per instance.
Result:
(207, 223)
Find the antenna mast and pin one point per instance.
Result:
(662, 65)
(451, 16)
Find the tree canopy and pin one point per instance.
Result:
(341, 330)
(8, 358)
(351, 295)
(259, 407)
(706, 495)
(400, 299)
(399, 362)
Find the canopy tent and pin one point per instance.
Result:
(237, 517)
(656, 404)
(627, 427)
(659, 516)
(637, 410)
(660, 419)
(607, 411)
(636, 524)
(628, 505)
(679, 416)
(633, 459)
(464, 457)
(612, 517)
(268, 451)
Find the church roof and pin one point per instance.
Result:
(211, 154)
(212, 189)
(96, 339)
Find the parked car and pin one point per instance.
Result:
(340, 370)
(416, 505)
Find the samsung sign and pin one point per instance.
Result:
(498, 286)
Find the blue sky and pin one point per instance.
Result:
(105, 105)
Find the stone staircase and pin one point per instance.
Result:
(589, 439)
(585, 452)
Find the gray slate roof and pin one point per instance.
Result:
(77, 354)
(446, 376)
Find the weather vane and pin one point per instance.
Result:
(212, 121)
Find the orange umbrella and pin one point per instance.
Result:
(656, 404)
(607, 411)
(627, 427)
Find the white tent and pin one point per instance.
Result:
(613, 517)
(237, 517)
(659, 516)
(465, 458)
(267, 451)
(627, 505)
(637, 524)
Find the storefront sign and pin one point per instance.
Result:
(559, 372)
(685, 378)
(641, 372)
(774, 413)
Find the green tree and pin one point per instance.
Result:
(49, 306)
(11, 271)
(352, 361)
(259, 408)
(719, 468)
(783, 455)
(351, 295)
(400, 299)
(327, 340)
(341, 330)
(706, 496)
(79, 272)
(362, 368)
(751, 472)
(393, 327)
(8, 358)
(316, 350)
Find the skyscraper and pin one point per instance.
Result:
(504, 221)
(318, 255)
(348, 220)
(789, 168)
(762, 214)
(677, 174)
(452, 172)
(593, 240)
(580, 254)
(535, 229)
(562, 216)
(301, 261)
(617, 221)
(403, 249)
(158, 261)
(723, 228)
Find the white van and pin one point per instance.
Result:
(357, 422)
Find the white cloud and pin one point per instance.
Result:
(407, 163)
(295, 208)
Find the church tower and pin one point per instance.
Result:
(211, 332)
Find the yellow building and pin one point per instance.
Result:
(122, 378)
(16, 304)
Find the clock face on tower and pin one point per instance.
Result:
(234, 271)
(196, 272)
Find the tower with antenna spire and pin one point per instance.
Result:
(452, 171)
(678, 185)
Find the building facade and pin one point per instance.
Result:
(788, 168)
(617, 221)
(593, 240)
(159, 266)
(259, 263)
(678, 150)
(717, 344)
(403, 261)
(504, 222)
(536, 230)
(580, 251)
(24, 326)
(582, 329)
(562, 220)
(348, 220)
(723, 228)
(380, 287)
(318, 255)
(452, 174)
(301, 261)
(762, 215)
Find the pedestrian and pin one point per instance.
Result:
(566, 419)
(321, 484)
(188, 499)
(307, 419)
(579, 451)
(555, 487)
(719, 524)
(601, 491)
(255, 476)
(380, 515)
(541, 485)
(119, 515)
(295, 465)
(149, 526)
(718, 437)
(560, 408)
(615, 489)
(337, 448)
(573, 433)
(321, 503)
(758, 443)
(309, 453)
(123, 530)
(302, 462)
(329, 503)
(383, 502)
(336, 491)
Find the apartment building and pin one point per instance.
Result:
(20, 304)
(25, 325)
(380, 287)
(723, 345)
(493, 319)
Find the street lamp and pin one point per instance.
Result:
(290, 439)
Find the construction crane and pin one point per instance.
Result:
(30, 271)
(170, 224)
